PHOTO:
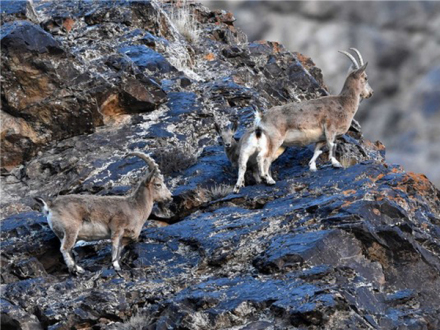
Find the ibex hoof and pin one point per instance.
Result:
(77, 270)
(270, 181)
(337, 164)
(313, 168)
(116, 266)
(237, 189)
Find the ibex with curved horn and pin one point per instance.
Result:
(91, 218)
(317, 121)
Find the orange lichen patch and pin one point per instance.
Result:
(68, 24)
(210, 57)
(349, 192)
(401, 188)
(421, 182)
(396, 170)
(347, 203)
(305, 61)
(276, 46)
(228, 17)
(424, 226)
(380, 176)
(379, 145)
(402, 202)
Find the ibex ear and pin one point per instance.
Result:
(150, 176)
(234, 126)
(361, 69)
(217, 128)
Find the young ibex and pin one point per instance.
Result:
(243, 153)
(91, 218)
(317, 121)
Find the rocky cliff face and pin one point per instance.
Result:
(400, 40)
(349, 248)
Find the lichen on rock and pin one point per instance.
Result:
(339, 248)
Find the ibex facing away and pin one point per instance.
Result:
(91, 218)
(243, 153)
(317, 121)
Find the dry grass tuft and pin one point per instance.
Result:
(347, 161)
(176, 159)
(218, 191)
(185, 22)
(136, 322)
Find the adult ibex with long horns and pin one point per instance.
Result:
(91, 218)
(317, 121)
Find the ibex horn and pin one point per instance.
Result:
(356, 65)
(361, 61)
(150, 161)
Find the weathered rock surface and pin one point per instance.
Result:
(353, 248)
(400, 42)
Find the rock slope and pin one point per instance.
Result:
(400, 42)
(336, 249)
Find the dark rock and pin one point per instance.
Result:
(146, 58)
(22, 36)
(351, 248)
(107, 13)
(182, 103)
(13, 317)
(136, 96)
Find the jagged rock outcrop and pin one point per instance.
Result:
(336, 249)
(400, 42)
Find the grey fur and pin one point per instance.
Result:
(120, 218)
(317, 121)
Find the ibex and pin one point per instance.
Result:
(243, 153)
(317, 121)
(91, 218)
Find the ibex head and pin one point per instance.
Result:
(227, 134)
(357, 72)
(154, 179)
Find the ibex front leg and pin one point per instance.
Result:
(242, 165)
(116, 249)
(67, 244)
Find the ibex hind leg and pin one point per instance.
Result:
(264, 161)
(263, 167)
(256, 175)
(316, 154)
(268, 175)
